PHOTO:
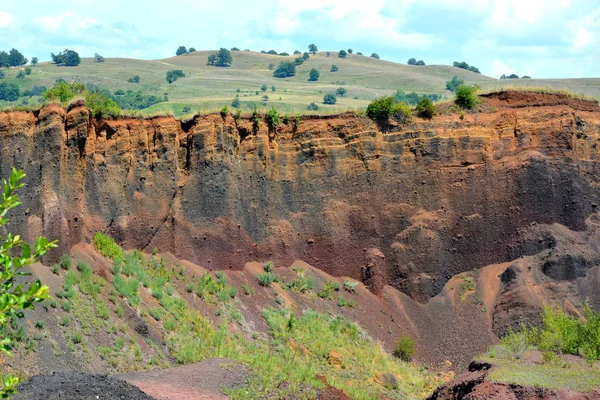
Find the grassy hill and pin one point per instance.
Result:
(207, 88)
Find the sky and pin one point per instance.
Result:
(540, 38)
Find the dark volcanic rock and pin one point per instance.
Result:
(78, 386)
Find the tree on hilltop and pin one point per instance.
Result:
(313, 48)
(181, 50)
(68, 58)
(34, 61)
(15, 58)
(98, 58)
(375, 55)
(220, 59)
(342, 54)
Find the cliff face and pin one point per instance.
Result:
(410, 205)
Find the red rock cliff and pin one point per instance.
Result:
(434, 197)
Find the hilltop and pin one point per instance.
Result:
(207, 88)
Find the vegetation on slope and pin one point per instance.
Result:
(560, 335)
(296, 350)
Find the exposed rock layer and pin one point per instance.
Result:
(431, 198)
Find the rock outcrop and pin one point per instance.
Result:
(435, 198)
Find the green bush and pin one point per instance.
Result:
(328, 289)
(248, 290)
(314, 75)
(273, 119)
(329, 98)
(515, 343)
(107, 247)
(405, 349)
(267, 278)
(381, 109)
(425, 108)
(66, 262)
(466, 96)
(401, 112)
(350, 286)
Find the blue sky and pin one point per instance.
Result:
(541, 38)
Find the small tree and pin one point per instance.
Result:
(98, 58)
(341, 92)
(305, 56)
(34, 61)
(375, 55)
(286, 69)
(412, 61)
(263, 87)
(466, 97)
(15, 58)
(313, 48)
(420, 63)
(334, 68)
(425, 108)
(9, 91)
(299, 61)
(265, 98)
(181, 50)
(135, 79)
(329, 98)
(297, 52)
(314, 75)
(236, 102)
(342, 54)
(21, 75)
(273, 88)
(312, 107)
(174, 74)
(27, 70)
(271, 67)
(15, 254)
(232, 49)
(192, 50)
(454, 83)
(350, 51)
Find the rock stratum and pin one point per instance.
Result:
(407, 205)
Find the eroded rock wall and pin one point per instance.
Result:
(435, 198)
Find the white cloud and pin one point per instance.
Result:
(499, 67)
(518, 18)
(67, 21)
(6, 20)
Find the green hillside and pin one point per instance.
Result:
(208, 88)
